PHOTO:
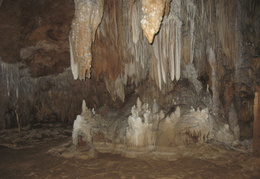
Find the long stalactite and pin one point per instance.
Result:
(88, 15)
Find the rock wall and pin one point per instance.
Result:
(207, 42)
(205, 54)
(35, 75)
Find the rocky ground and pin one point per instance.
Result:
(26, 154)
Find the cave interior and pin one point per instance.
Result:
(88, 79)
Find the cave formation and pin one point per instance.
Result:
(132, 77)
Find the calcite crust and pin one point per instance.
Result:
(153, 11)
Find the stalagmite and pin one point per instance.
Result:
(139, 131)
(88, 15)
(153, 11)
(82, 126)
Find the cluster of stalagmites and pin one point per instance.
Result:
(148, 129)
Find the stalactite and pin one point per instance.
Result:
(135, 22)
(10, 79)
(167, 47)
(159, 74)
(178, 51)
(155, 70)
(138, 63)
(153, 11)
(171, 56)
(167, 7)
(191, 10)
(88, 15)
(126, 54)
(119, 88)
(214, 78)
(137, 68)
(116, 88)
(74, 65)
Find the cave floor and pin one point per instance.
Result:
(26, 156)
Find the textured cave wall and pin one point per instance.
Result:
(206, 54)
(36, 84)
(211, 47)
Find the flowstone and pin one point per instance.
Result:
(147, 133)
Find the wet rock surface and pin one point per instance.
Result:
(31, 158)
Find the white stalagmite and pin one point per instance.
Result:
(80, 127)
(146, 130)
(134, 132)
(139, 131)
(138, 105)
(88, 15)
(83, 125)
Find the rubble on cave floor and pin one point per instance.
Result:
(28, 137)
(43, 152)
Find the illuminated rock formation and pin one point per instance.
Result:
(139, 132)
(88, 15)
(202, 53)
(147, 132)
(153, 11)
(167, 47)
